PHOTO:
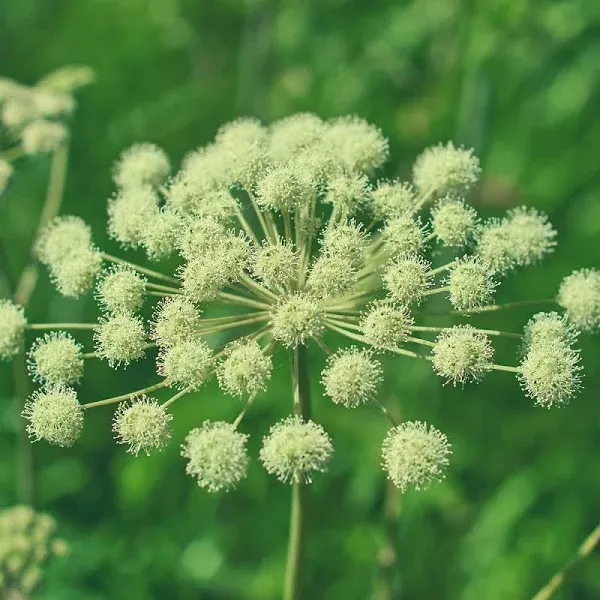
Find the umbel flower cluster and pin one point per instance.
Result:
(32, 118)
(287, 224)
(28, 543)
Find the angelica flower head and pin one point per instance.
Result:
(121, 290)
(186, 364)
(65, 247)
(579, 295)
(246, 369)
(453, 221)
(175, 320)
(159, 234)
(352, 377)
(54, 415)
(291, 135)
(404, 236)
(462, 354)
(393, 199)
(140, 165)
(217, 455)
(386, 325)
(267, 220)
(56, 359)
(143, 424)
(407, 279)
(12, 328)
(120, 339)
(523, 237)
(470, 283)
(346, 240)
(296, 318)
(550, 373)
(347, 193)
(40, 137)
(548, 328)
(295, 449)
(28, 540)
(331, 276)
(129, 214)
(414, 455)
(276, 265)
(359, 146)
(446, 169)
(282, 190)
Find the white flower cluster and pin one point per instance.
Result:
(266, 222)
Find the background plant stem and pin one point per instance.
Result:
(297, 530)
(22, 294)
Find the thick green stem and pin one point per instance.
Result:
(296, 536)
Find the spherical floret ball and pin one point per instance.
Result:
(296, 318)
(12, 329)
(217, 455)
(352, 377)
(462, 354)
(295, 449)
(246, 370)
(56, 359)
(142, 424)
(414, 455)
(55, 415)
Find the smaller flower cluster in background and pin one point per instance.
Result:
(28, 542)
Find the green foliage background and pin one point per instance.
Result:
(520, 81)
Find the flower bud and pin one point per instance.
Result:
(386, 325)
(407, 279)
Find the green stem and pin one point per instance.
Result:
(492, 332)
(495, 307)
(147, 390)
(296, 537)
(232, 325)
(50, 209)
(163, 288)
(505, 368)
(46, 326)
(243, 412)
(360, 338)
(144, 270)
(227, 298)
(586, 548)
(23, 292)
(176, 397)
(12, 153)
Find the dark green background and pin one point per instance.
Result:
(518, 80)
